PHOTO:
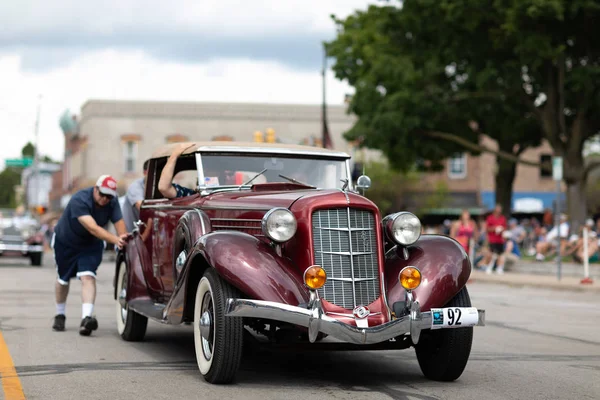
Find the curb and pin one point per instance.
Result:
(519, 283)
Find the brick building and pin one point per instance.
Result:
(470, 181)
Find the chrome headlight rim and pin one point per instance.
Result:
(391, 221)
(270, 214)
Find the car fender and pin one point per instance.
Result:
(192, 225)
(247, 263)
(136, 283)
(253, 267)
(444, 265)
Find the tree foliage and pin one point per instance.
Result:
(9, 178)
(522, 69)
(388, 186)
(28, 150)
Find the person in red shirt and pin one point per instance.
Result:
(496, 224)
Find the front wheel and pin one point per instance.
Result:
(218, 339)
(130, 325)
(443, 353)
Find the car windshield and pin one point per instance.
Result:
(224, 170)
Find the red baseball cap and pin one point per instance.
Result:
(108, 185)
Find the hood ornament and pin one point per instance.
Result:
(346, 183)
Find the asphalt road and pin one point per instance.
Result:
(538, 344)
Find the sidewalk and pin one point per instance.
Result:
(543, 275)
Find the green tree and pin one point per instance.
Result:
(9, 178)
(28, 150)
(388, 186)
(522, 69)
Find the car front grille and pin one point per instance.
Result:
(11, 239)
(345, 245)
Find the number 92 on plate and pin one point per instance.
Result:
(454, 317)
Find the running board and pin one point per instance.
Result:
(149, 309)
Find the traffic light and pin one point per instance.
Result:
(258, 137)
(271, 135)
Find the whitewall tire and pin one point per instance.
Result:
(218, 339)
(130, 325)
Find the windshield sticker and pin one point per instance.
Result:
(211, 181)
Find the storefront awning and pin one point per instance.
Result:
(524, 202)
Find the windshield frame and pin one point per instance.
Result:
(266, 152)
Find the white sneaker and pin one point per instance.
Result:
(488, 270)
(539, 257)
(500, 271)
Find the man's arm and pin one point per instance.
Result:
(92, 227)
(166, 176)
(121, 228)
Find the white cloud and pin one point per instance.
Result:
(139, 50)
(222, 17)
(114, 74)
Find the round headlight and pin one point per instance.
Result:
(279, 224)
(403, 228)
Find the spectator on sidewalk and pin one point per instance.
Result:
(512, 253)
(133, 200)
(464, 230)
(547, 245)
(575, 246)
(517, 232)
(496, 224)
(548, 219)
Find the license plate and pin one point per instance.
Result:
(454, 317)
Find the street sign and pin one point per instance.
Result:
(19, 162)
(557, 168)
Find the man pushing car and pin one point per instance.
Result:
(78, 244)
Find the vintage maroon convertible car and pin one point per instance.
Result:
(278, 244)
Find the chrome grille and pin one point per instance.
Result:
(345, 245)
(250, 226)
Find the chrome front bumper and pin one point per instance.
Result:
(316, 321)
(25, 248)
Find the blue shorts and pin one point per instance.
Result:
(76, 262)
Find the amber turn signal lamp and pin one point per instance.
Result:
(315, 277)
(410, 278)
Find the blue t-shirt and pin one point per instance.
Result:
(515, 250)
(69, 230)
(182, 191)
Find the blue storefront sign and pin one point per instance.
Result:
(525, 202)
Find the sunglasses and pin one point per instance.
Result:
(106, 196)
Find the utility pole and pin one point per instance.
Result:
(557, 175)
(325, 137)
(36, 181)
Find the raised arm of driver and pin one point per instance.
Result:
(166, 176)
(90, 224)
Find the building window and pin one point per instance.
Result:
(177, 138)
(546, 160)
(130, 153)
(223, 138)
(457, 166)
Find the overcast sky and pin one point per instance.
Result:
(223, 50)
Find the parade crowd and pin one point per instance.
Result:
(496, 244)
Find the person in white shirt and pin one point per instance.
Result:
(549, 244)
